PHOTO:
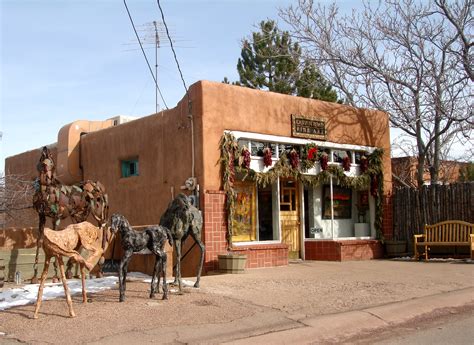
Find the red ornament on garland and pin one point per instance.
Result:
(294, 159)
(245, 158)
(364, 164)
(346, 163)
(312, 154)
(374, 185)
(267, 157)
(231, 169)
(324, 161)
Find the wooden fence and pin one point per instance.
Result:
(412, 208)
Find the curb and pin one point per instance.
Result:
(347, 324)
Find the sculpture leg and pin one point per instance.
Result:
(66, 288)
(178, 265)
(83, 280)
(201, 262)
(163, 262)
(39, 244)
(155, 279)
(123, 274)
(105, 239)
(69, 265)
(39, 298)
(94, 254)
(55, 264)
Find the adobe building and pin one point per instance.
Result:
(290, 177)
(405, 171)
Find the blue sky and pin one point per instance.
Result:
(68, 60)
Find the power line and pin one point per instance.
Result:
(190, 115)
(172, 47)
(144, 55)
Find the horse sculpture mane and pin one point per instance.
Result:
(58, 201)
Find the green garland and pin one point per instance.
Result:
(282, 168)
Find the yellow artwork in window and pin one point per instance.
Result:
(243, 222)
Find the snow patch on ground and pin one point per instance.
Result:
(27, 294)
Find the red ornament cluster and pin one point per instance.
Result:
(245, 155)
(324, 161)
(294, 159)
(346, 163)
(267, 157)
(374, 185)
(364, 164)
(313, 154)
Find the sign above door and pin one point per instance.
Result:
(306, 126)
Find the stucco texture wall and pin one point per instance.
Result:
(228, 107)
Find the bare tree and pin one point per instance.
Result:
(400, 57)
(459, 15)
(16, 193)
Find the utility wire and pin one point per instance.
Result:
(172, 47)
(190, 115)
(144, 55)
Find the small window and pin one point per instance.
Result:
(256, 148)
(129, 167)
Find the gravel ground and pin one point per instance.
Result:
(299, 290)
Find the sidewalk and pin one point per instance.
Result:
(301, 303)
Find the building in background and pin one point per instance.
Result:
(319, 211)
(404, 170)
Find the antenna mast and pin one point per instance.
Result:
(157, 42)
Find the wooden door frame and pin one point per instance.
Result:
(298, 210)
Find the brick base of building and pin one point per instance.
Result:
(343, 250)
(268, 255)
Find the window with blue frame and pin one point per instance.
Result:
(129, 167)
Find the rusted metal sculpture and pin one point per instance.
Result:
(183, 219)
(67, 242)
(151, 240)
(57, 201)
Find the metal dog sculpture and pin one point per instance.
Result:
(183, 219)
(151, 239)
(67, 242)
(58, 201)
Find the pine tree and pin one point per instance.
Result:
(270, 61)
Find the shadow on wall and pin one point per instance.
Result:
(358, 126)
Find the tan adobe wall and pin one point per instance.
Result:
(228, 107)
(162, 144)
(67, 163)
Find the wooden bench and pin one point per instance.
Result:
(448, 233)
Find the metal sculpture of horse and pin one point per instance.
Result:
(67, 242)
(151, 240)
(57, 201)
(184, 219)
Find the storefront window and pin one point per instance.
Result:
(244, 222)
(255, 213)
(342, 202)
(265, 214)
